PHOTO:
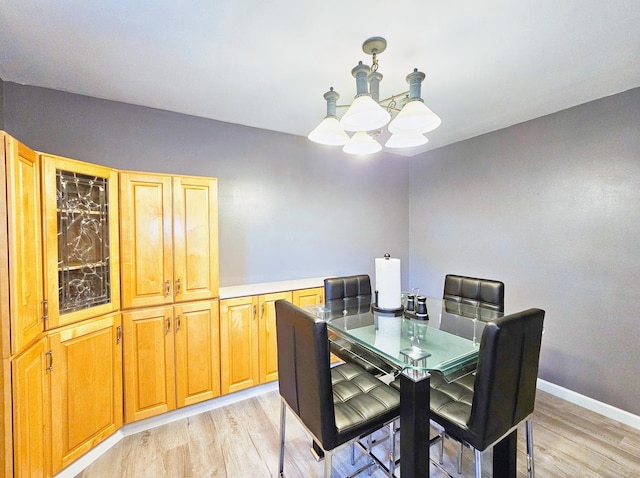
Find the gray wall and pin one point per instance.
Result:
(552, 208)
(1, 104)
(288, 208)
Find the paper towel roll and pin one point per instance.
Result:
(388, 282)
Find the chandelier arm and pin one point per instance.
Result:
(394, 97)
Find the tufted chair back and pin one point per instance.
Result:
(305, 371)
(506, 375)
(336, 404)
(485, 293)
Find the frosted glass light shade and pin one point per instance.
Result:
(406, 140)
(329, 132)
(416, 117)
(364, 114)
(362, 143)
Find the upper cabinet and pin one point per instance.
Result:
(81, 265)
(20, 246)
(169, 238)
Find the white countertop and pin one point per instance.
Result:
(269, 287)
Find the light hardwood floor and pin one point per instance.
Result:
(241, 441)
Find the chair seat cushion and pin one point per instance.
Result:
(359, 397)
(452, 400)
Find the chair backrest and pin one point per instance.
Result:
(351, 293)
(506, 375)
(347, 287)
(304, 370)
(485, 293)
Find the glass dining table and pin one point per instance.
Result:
(447, 340)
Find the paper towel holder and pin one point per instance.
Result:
(376, 308)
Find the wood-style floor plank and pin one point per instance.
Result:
(242, 440)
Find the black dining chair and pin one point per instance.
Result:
(489, 405)
(353, 295)
(336, 405)
(469, 296)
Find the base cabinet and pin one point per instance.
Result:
(31, 408)
(306, 297)
(67, 395)
(248, 347)
(85, 368)
(171, 358)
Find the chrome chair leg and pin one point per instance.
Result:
(353, 453)
(460, 458)
(328, 455)
(392, 447)
(529, 430)
(478, 457)
(283, 417)
(441, 448)
(370, 448)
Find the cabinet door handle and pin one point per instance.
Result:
(119, 334)
(254, 312)
(263, 305)
(178, 287)
(45, 310)
(167, 288)
(168, 325)
(178, 322)
(50, 367)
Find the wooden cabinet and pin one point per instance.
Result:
(239, 353)
(20, 246)
(248, 346)
(267, 337)
(171, 357)
(81, 244)
(62, 249)
(31, 407)
(169, 239)
(21, 303)
(169, 258)
(305, 297)
(197, 335)
(85, 368)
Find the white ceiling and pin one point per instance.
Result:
(267, 63)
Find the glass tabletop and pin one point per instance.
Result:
(447, 341)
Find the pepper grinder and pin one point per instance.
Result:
(411, 305)
(421, 309)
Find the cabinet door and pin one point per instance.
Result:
(197, 341)
(81, 242)
(239, 344)
(146, 240)
(30, 412)
(86, 386)
(305, 297)
(24, 243)
(267, 334)
(195, 233)
(149, 370)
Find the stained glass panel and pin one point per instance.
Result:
(83, 241)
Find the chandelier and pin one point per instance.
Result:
(367, 114)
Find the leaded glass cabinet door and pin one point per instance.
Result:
(80, 203)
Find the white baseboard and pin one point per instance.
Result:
(608, 411)
(85, 460)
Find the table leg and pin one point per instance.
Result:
(414, 424)
(504, 456)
